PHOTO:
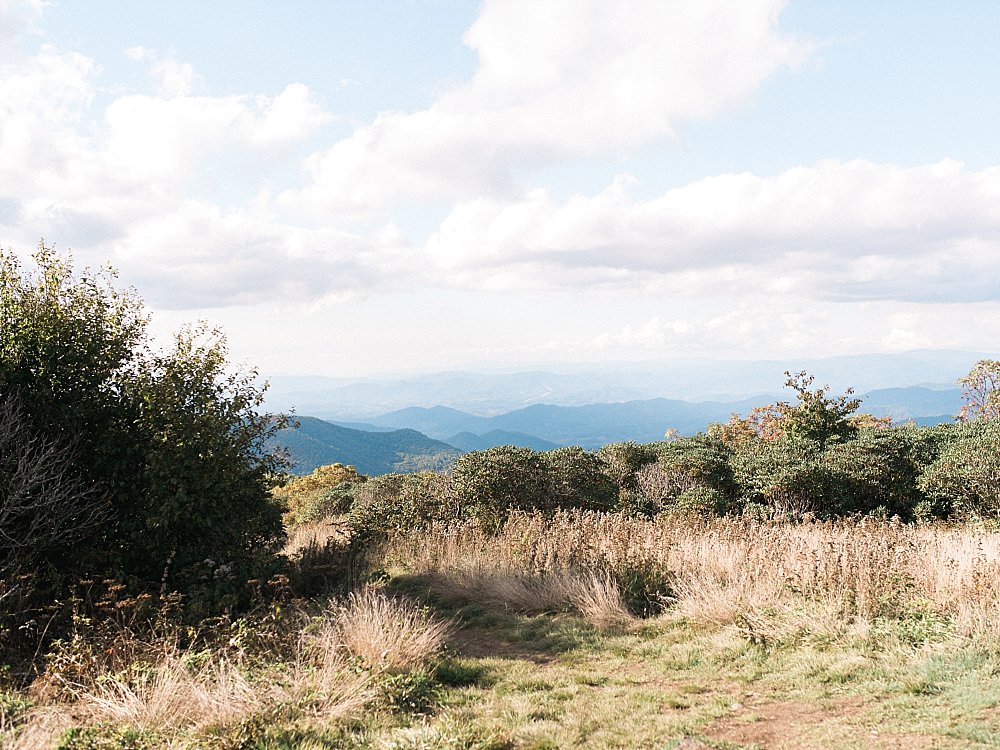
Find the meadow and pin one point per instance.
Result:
(579, 629)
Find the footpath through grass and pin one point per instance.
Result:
(555, 681)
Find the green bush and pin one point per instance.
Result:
(486, 484)
(689, 468)
(327, 491)
(965, 477)
(879, 470)
(623, 461)
(577, 479)
(704, 501)
(167, 450)
(401, 502)
(786, 476)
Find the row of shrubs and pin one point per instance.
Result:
(914, 473)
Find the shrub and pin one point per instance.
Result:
(487, 484)
(170, 446)
(577, 479)
(879, 470)
(401, 502)
(203, 488)
(786, 476)
(966, 475)
(46, 503)
(326, 492)
(690, 468)
(623, 461)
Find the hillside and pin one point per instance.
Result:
(590, 426)
(317, 443)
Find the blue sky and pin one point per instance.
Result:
(355, 188)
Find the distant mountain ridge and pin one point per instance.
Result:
(418, 438)
(346, 400)
(468, 441)
(595, 425)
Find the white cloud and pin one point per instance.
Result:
(122, 180)
(292, 115)
(175, 78)
(734, 262)
(837, 229)
(200, 256)
(556, 80)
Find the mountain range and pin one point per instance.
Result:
(418, 438)
(492, 393)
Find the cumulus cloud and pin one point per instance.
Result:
(146, 177)
(202, 256)
(851, 230)
(556, 80)
(121, 179)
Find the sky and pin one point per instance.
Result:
(358, 188)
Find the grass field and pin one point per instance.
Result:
(583, 630)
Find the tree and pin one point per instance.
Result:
(205, 480)
(816, 416)
(981, 391)
(171, 443)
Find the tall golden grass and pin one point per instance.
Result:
(723, 570)
(181, 692)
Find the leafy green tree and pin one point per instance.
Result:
(171, 443)
(204, 488)
(787, 476)
(816, 416)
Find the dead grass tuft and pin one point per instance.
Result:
(388, 634)
(598, 598)
(313, 534)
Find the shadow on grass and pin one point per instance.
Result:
(490, 630)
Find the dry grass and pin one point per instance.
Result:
(183, 694)
(387, 634)
(312, 534)
(594, 594)
(722, 571)
(598, 598)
